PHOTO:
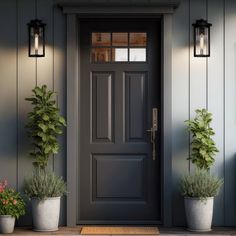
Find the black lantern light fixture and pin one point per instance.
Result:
(201, 37)
(36, 38)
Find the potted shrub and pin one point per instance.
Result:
(45, 189)
(44, 125)
(200, 188)
(12, 206)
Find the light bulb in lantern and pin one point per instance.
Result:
(36, 43)
(201, 43)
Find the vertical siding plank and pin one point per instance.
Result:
(26, 78)
(198, 96)
(8, 92)
(198, 79)
(216, 95)
(230, 113)
(45, 64)
(180, 95)
(60, 88)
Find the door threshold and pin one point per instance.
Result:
(118, 223)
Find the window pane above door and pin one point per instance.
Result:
(101, 54)
(117, 47)
(101, 39)
(137, 54)
(120, 39)
(119, 54)
(138, 39)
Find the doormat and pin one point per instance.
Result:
(119, 230)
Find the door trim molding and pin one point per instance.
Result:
(74, 12)
(72, 68)
(109, 8)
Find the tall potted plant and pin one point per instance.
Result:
(200, 188)
(12, 206)
(44, 188)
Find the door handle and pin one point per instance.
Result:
(153, 131)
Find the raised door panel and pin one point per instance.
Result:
(119, 177)
(102, 94)
(135, 105)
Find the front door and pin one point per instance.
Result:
(120, 100)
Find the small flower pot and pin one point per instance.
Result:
(199, 213)
(46, 214)
(7, 224)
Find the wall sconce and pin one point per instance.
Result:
(36, 38)
(201, 37)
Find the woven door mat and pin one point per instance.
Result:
(86, 230)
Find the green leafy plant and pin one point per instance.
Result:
(44, 185)
(44, 125)
(11, 203)
(200, 185)
(203, 146)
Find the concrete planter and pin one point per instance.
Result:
(199, 213)
(46, 214)
(7, 224)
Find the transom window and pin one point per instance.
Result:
(119, 47)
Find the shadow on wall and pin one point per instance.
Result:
(14, 148)
(180, 153)
(229, 189)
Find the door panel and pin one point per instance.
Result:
(123, 170)
(120, 85)
(102, 93)
(135, 104)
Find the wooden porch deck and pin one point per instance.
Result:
(63, 231)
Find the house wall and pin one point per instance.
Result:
(197, 82)
(205, 83)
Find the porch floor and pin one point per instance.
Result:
(63, 231)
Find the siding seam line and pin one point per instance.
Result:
(17, 100)
(53, 71)
(224, 98)
(189, 82)
(36, 59)
(207, 92)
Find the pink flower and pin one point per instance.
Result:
(5, 183)
(14, 202)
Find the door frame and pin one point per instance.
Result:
(74, 12)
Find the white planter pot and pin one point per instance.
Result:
(7, 224)
(46, 214)
(199, 213)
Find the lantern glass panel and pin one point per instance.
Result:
(202, 41)
(36, 41)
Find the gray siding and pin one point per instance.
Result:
(210, 83)
(197, 82)
(19, 74)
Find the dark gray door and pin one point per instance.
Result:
(119, 181)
